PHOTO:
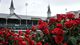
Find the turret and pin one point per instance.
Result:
(12, 7)
(48, 12)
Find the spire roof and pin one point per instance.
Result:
(12, 5)
(49, 11)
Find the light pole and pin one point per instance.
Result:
(26, 13)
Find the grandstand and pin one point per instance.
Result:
(15, 21)
(18, 21)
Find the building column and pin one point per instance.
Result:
(20, 21)
(32, 23)
(6, 21)
(26, 24)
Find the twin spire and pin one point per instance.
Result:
(12, 5)
(12, 9)
(48, 12)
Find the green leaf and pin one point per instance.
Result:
(73, 40)
(79, 43)
(52, 27)
(38, 37)
(62, 21)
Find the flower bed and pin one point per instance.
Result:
(65, 30)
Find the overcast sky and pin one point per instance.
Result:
(39, 7)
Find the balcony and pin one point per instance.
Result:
(16, 26)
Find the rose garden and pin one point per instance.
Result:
(63, 30)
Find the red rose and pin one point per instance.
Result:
(28, 39)
(58, 19)
(70, 15)
(40, 21)
(20, 32)
(33, 28)
(59, 25)
(15, 34)
(26, 35)
(52, 20)
(58, 39)
(68, 24)
(58, 15)
(74, 22)
(5, 43)
(31, 42)
(46, 44)
(23, 43)
(78, 20)
(20, 39)
(11, 33)
(39, 43)
(15, 38)
(71, 23)
(65, 44)
(28, 31)
(1, 32)
(62, 16)
(46, 31)
(57, 31)
(42, 26)
(8, 34)
(33, 35)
